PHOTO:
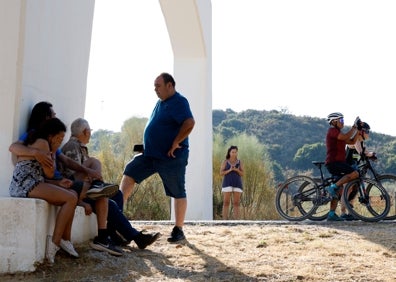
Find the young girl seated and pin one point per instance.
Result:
(30, 180)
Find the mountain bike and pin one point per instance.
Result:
(302, 197)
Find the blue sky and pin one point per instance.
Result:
(308, 57)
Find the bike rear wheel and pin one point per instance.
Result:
(388, 181)
(372, 206)
(294, 203)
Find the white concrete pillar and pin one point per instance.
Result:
(189, 24)
(11, 22)
(44, 55)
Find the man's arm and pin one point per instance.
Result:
(72, 164)
(20, 150)
(184, 131)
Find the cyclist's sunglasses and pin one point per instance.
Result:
(366, 131)
(341, 120)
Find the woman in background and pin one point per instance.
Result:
(232, 171)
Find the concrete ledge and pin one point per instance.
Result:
(24, 225)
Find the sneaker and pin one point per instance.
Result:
(99, 189)
(334, 217)
(51, 250)
(348, 217)
(67, 246)
(332, 189)
(176, 235)
(144, 240)
(105, 247)
(119, 240)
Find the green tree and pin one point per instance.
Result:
(308, 153)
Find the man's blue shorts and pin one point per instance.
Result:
(172, 172)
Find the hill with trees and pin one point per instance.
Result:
(293, 142)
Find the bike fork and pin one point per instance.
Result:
(362, 191)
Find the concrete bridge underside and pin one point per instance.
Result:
(45, 47)
(44, 56)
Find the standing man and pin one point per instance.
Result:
(166, 150)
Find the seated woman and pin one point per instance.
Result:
(30, 180)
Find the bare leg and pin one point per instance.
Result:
(67, 233)
(84, 190)
(126, 187)
(342, 204)
(180, 211)
(347, 177)
(94, 164)
(226, 204)
(55, 195)
(334, 202)
(236, 197)
(91, 163)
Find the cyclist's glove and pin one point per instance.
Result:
(373, 157)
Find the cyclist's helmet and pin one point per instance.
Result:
(334, 116)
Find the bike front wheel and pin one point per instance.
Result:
(388, 181)
(372, 205)
(294, 203)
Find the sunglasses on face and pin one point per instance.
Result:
(367, 131)
(341, 120)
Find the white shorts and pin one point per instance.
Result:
(231, 189)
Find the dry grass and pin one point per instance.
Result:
(240, 251)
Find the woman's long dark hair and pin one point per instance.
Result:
(40, 113)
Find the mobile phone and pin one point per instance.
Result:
(138, 148)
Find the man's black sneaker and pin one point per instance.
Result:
(176, 235)
(144, 240)
(99, 189)
(105, 247)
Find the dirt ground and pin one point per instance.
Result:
(239, 251)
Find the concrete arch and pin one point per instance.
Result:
(44, 55)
